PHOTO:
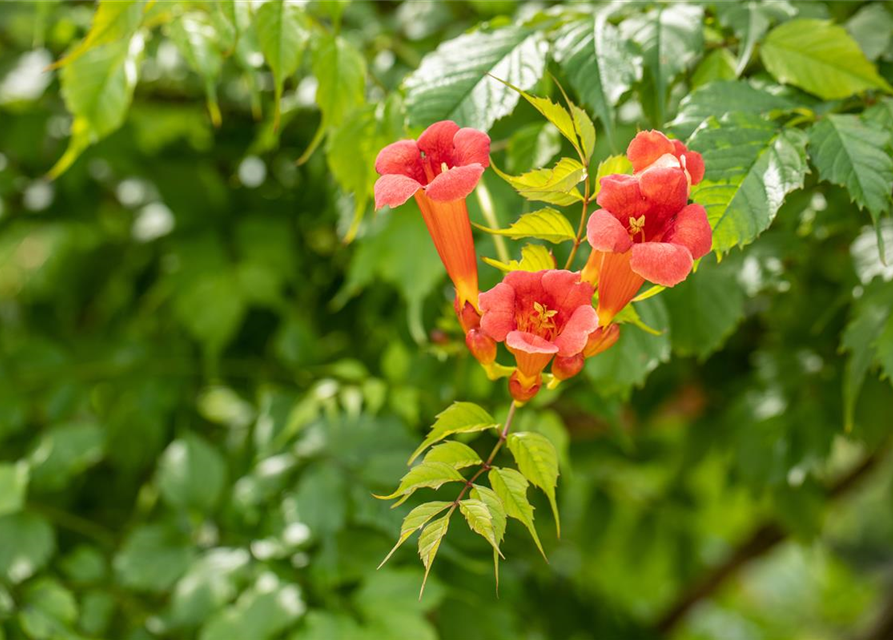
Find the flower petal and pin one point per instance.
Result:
(647, 147)
(691, 229)
(498, 309)
(394, 189)
(661, 262)
(576, 332)
(530, 343)
(455, 184)
(401, 157)
(566, 291)
(605, 233)
(437, 142)
(665, 187)
(694, 163)
(621, 196)
(471, 146)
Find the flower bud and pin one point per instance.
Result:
(564, 368)
(601, 339)
(468, 316)
(518, 390)
(482, 346)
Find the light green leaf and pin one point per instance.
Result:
(821, 58)
(432, 475)
(196, 38)
(459, 417)
(27, 542)
(722, 97)
(555, 186)
(49, 610)
(282, 34)
(585, 130)
(494, 504)
(13, 486)
(452, 82)
(718, 65)
(65, 451)
(341, 72)
(534, 257)
(152, 558)
(113, 20)
(538, 461)
(545, 224)
(749, 21)
(262, 612)
(210, 582)
(872, 27)
(599, 63)
(429, 543)
(610, 166)
(704, 309)
(868, 338)
(456, 454)
(97, 88)
(556, 114)
(415, 520)
(191, 474)
(477, 514)
(855, 154)
(670, 38)
(511, 487)
(751, 168)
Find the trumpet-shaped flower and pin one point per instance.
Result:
(645, 229)
(440, 169)
(539, 315)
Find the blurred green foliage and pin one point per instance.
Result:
(202, 384)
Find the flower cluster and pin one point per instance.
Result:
(645, 230)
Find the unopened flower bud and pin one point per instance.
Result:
(564, 368)
(468, 316)
(482, 346)
(601, 339)
(521, 392)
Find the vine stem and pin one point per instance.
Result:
(579, 239)
(486, 466)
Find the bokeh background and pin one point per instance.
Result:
(202, 383)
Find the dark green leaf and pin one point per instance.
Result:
(192, 474)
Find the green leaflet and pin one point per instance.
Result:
(497, 517)
(538, 461)
(415, 520)
(196, 38)
(546, 224)
(670, 38)
(534, 257)
(610, 166)
(600, 64)
(114, 20)
(821, 58)
(97, 88)
(479, 519)
(459, 417)
(557, 185)
(429, 543)
(751, 168)
(855, 154)
(455, 454)
(452, 82)
(719, 98)
(282, 35)
(511, 487)
(430, 475)
(868, 338)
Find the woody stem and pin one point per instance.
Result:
(487, 465)
(579, 239)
